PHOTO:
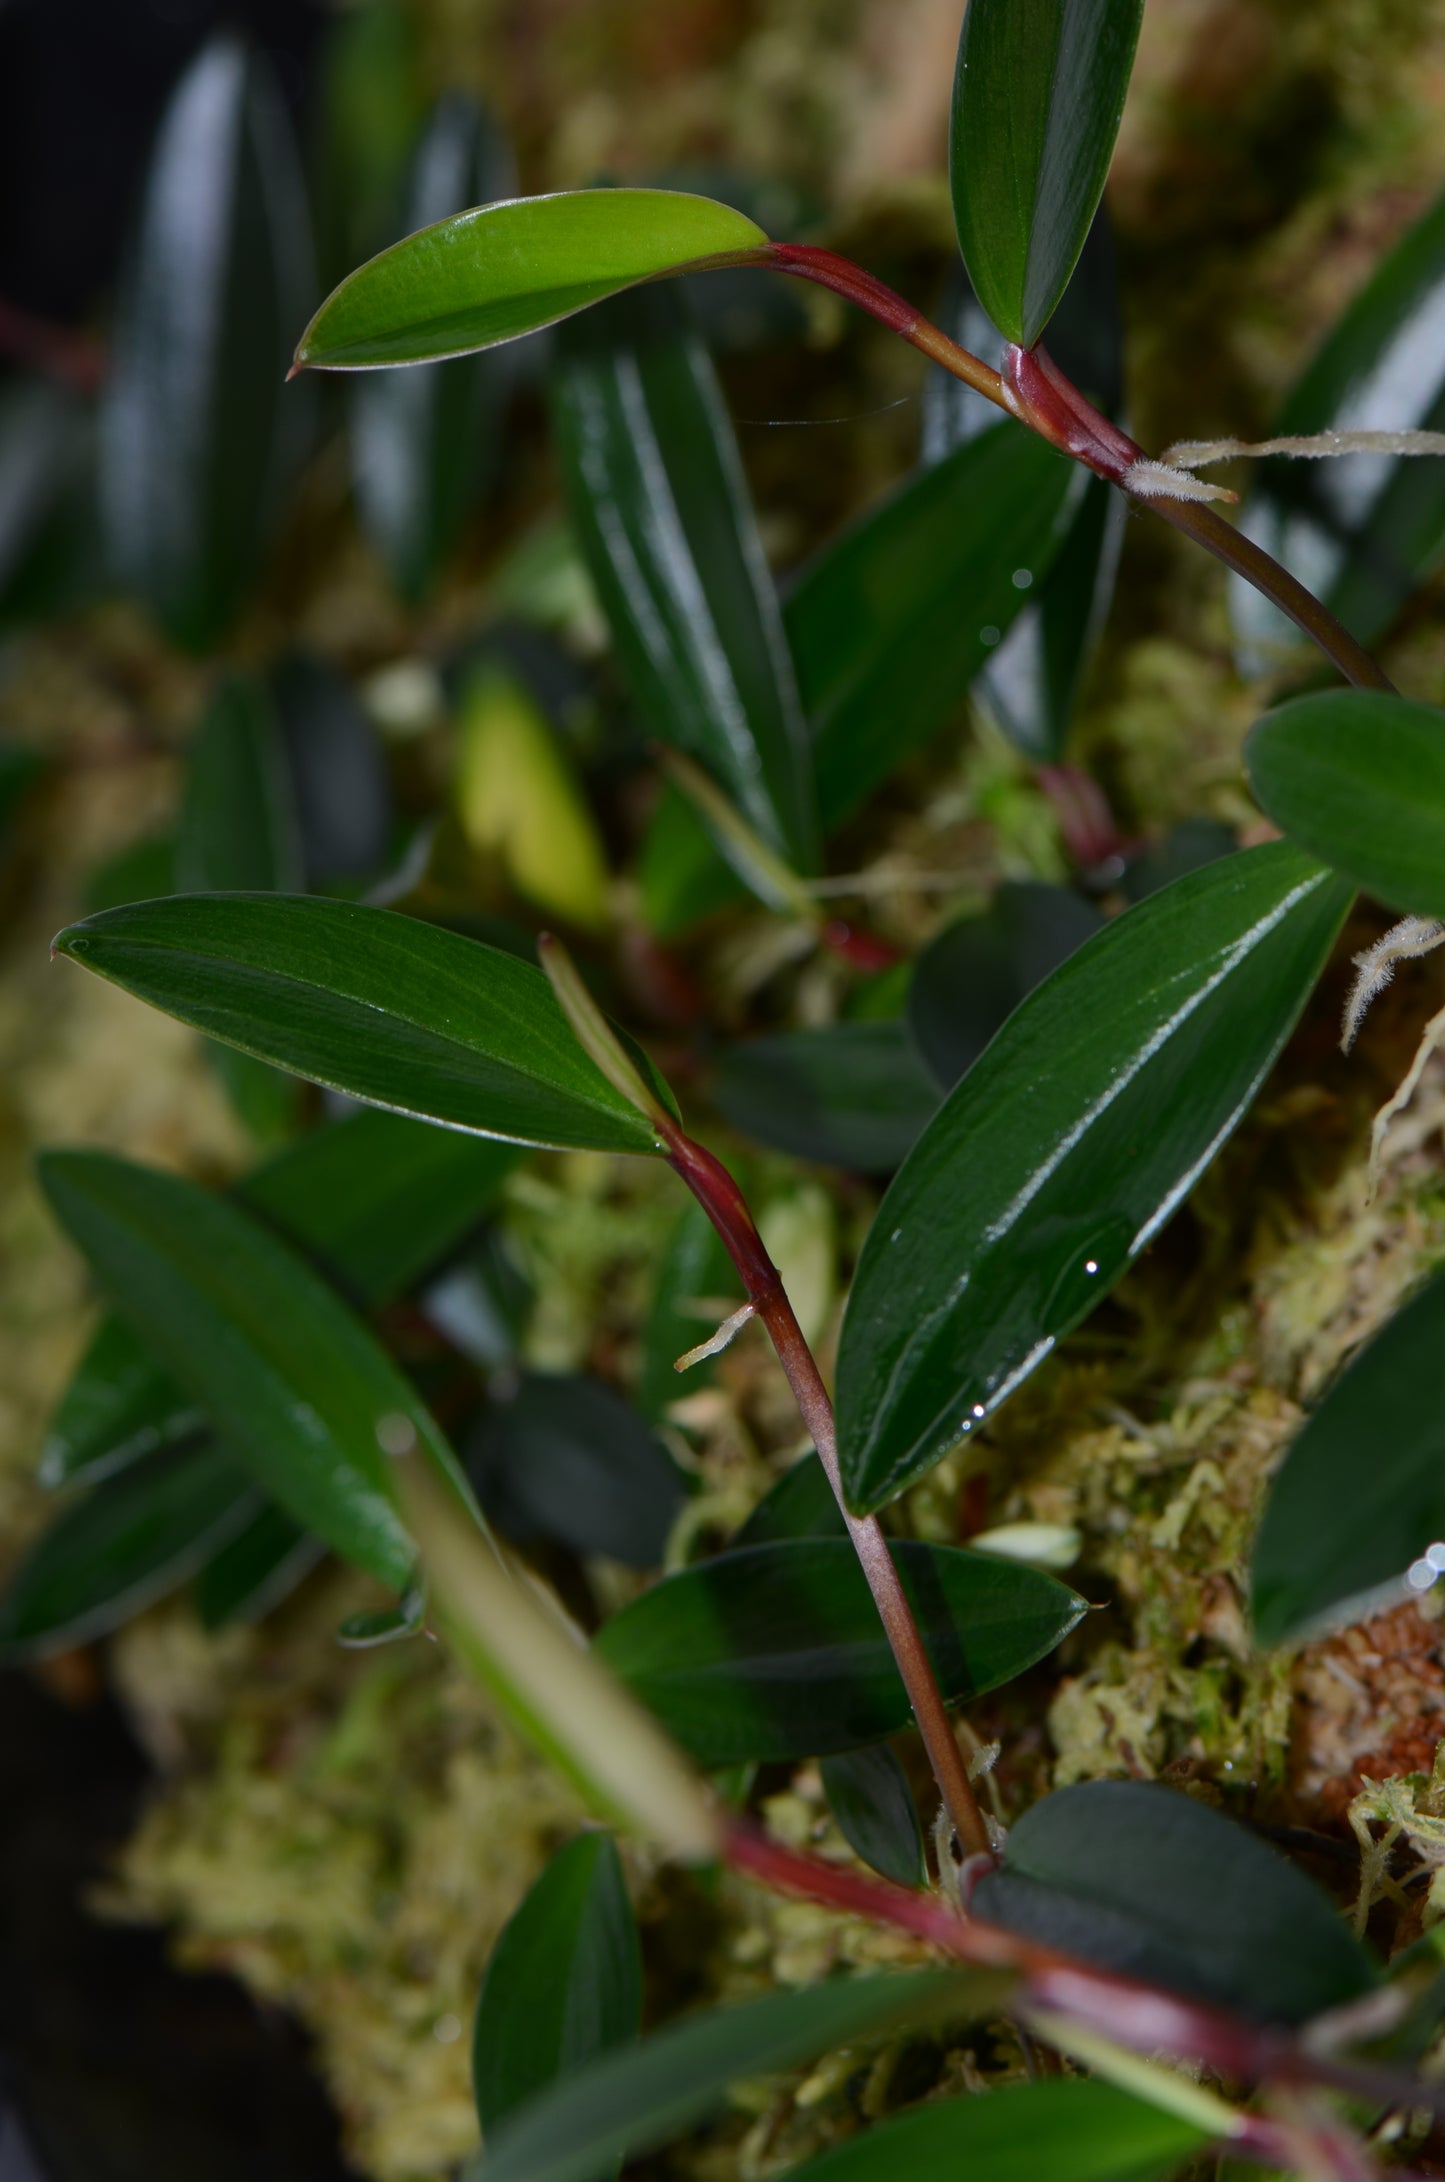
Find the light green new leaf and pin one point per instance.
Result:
(393, 1011)
(1359, 778)
(1037, 100)
(564, 1982)
(296, 1385)
(502, 270)
(1065, 1149)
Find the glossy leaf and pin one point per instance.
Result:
(968, 981)
(1037, 99)
(372, 1200)
(662, 512)
(122, 1546)
(629, 2103)
(801, 1505)
(396, 1012)
(339, 785)
(695, 1271)
(488, 275)
(1060, 2131)
(564, 1982)
(1148, 1882)
(1362, 532)
(200, 437)
(422, 441)
(302, 1393)
(371, 105)
(1359, 778)
(846, 1094)
(563, 1458)
(254, 1571)
(1065, 1149)
(1360, 1498)
(520, 803)
(869, 1796)
(776, 1651)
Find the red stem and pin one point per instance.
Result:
(723, 1202)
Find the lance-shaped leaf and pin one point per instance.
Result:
(422, 441)
(396, 1012)
(1359, 778)
(1147, 1882)
(1037, 100)
(488, 275)
(1360, 1500)
(200, 437)
(299, 1389)
(776, 1651)
(848, 1094)
(123, 1546)
(1362, 532)
(662, 512)
(869, 1796)
(338, 774)
(1065, 2131)
(373, 1200)
(255, 1570)
(630, 2102)
(968, 981)
(564, 1982)
(1065, 1149)
(562, 1457)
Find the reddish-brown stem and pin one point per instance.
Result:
(723, 1202)
(828, 270)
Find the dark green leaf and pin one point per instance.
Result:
(1037, 100)
(630, 2102)
(1046, 2132)
(890, 624)
(393, 1011)
(255, 1570)
(201, 439)
(1361, 1496)
(300, 1390)
(1192, 844)
(365, 1632)
(1147, 1882)
(1359, 777)
(487, 275)
(662, 512)
(869, 1796)
(371, 100)
(565, 1459)
(1065, 1149)
(776, 1651)
(695, 1270)
(801, 1505)
(373, 1200)
(421, 441)
(140, 873)
(118, 1548)
(564, 1983)
(969, 980)
(1363, 531)
(338, 773)
(848, 1094)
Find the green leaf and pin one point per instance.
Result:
(1148, 1882)
(776, 1651)
(801, 1505)
(846, 1094)
(422, 441)
(630, 2102)
(890, 624)
(1364, 531)
(1360, 1498)
(1065, 1149)
(393, 1011)
(564, 1982)
(695, 1270)
(563, 1458)
(373, 1201)
(1037, 100)
(120, 1547)
(869, 1796)
(662, 513)
(338, 774)
(488, 275)
(1060, 2131)
(1359, 778)
(968, 981)
(371, 104)
(255, 1570)
(302, 1393)
(201, 440)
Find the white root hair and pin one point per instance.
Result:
(1404, 942)
(1171, 476)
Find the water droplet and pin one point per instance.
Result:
(978, 1409)
(988, 636)
(897, 1235)
(1435, 1555)
(1091, 1265)
(1023, 577)
(1420, 1576)
(395, 1434)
